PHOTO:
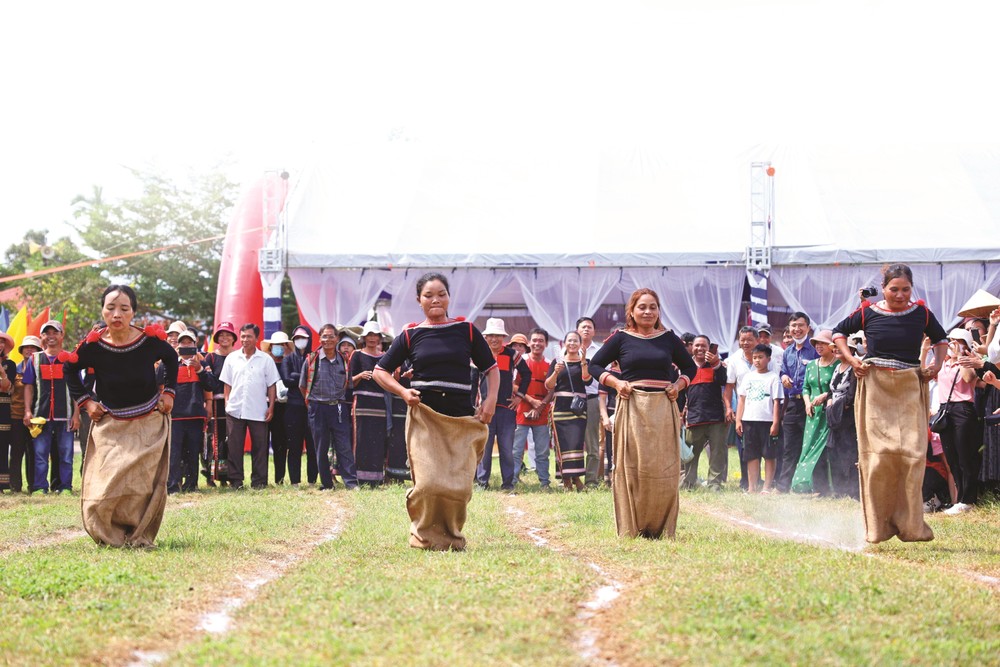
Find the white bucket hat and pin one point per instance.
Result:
(370, 327)
(963, 335)
(495, 325)
(277, 338)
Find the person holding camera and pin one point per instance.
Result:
(655, 367)
(962, 434)
(892, 405)
(568, 377)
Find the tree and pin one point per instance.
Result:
(177, 282)
(77, 292)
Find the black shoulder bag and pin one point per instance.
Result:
(578, 406)
(941, 421)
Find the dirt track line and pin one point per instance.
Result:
(217, 619)
(992, 583)
(592, 610)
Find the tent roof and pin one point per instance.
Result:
(400, 203)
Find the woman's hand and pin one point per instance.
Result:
(623, 388)
(411, 396)
(970, 361)
(95, 410)
(995, 317)
(989, 377)
(809, 408)
(860, 367)
(166, 404)
(560, 367)
(928, 374)
(672, 391)
(819, 400)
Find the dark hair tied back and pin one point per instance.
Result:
(428, 277)
(893, 271)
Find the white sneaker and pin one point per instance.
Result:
(958, 508)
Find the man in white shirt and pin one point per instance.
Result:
(250, 377)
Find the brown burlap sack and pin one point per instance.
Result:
(891, 411)
(443, 455)
(647, 465)
(125, 480)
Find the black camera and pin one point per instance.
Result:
(184, 350)
(868, 292)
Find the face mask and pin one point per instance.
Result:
(278, 351)
(800, 341)
(301, 343)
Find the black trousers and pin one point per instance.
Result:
(793, 427)
(22, 456)
(238, 429)
(279, 441)
(296, 430)
(962, 441)
(842, 445)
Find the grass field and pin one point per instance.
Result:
(297, 576)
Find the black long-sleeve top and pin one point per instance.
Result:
(291, 373)
(440, 354)
(892, 335)
(656, 357)
(125, 376)
(192, 383)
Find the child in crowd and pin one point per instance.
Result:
(758, 416)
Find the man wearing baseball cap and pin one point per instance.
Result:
(47, 396)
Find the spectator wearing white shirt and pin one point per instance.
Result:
(249, 376)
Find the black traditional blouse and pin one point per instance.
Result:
(656, 357)
(440, 354)
(895, 336)
(125, 375)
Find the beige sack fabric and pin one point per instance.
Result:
(443, 455)
(892, 411)
(125, 480)
(647, 465)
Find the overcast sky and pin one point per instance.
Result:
(89, 87)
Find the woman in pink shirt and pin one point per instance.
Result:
(963, 436)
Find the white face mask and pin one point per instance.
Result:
(301, 343)
(800, 341)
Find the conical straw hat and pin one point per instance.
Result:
(981, 304)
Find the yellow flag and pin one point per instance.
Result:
(17, 330)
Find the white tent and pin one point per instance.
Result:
(563, 229)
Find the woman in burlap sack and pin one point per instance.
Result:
(125, 470)
(445, 436)
(891, 407)
(655, 366)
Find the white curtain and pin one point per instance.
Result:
(339, 296)
(696, 299)
(827, 294)
(946, 287)
(470, 289)
(557, 297)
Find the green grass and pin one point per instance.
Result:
(718, 594)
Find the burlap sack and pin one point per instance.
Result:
(443, 454)
(891, 412)
(647, 465)
(125, 480)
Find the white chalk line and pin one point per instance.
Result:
(220, 620)
(600, 600)
(992, 582)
